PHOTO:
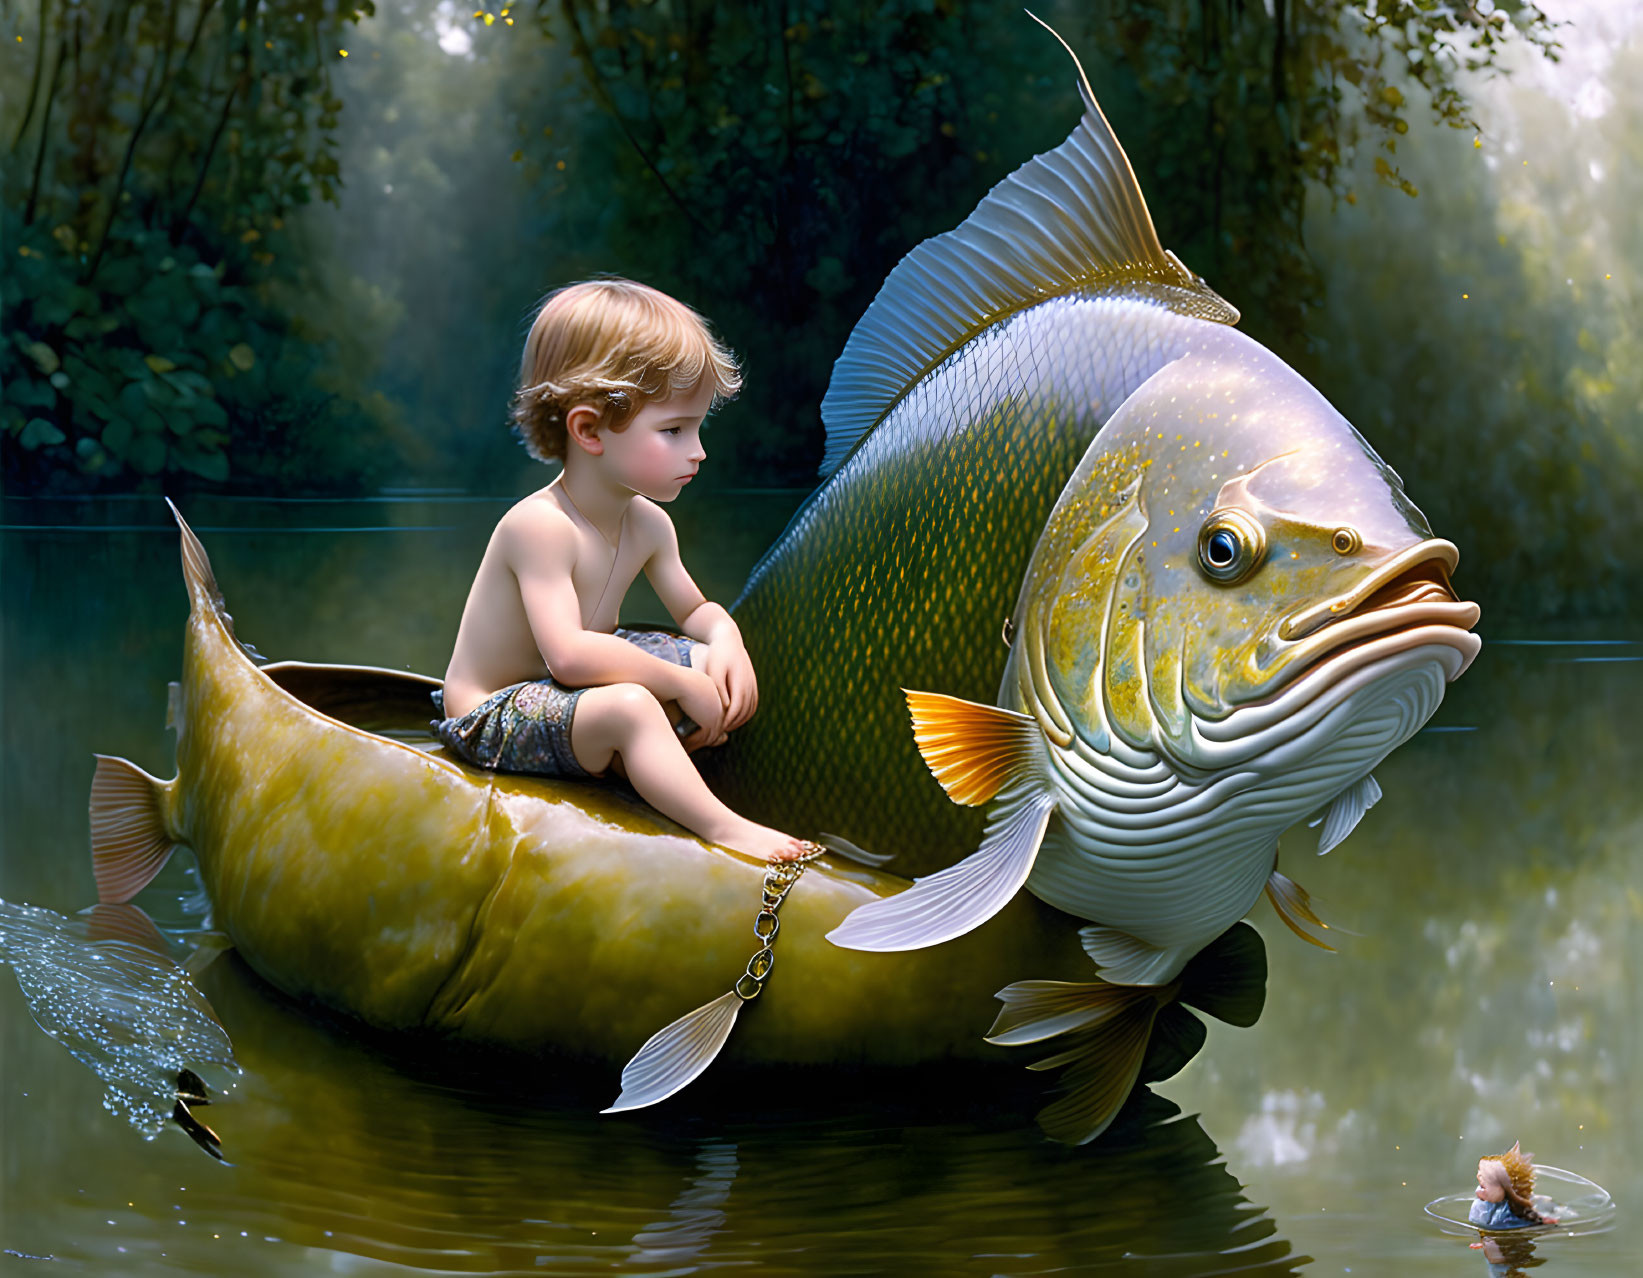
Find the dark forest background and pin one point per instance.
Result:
(290, 247)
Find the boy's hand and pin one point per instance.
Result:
(699, 699)
(731, 670)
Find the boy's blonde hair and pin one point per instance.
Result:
(617, 345)
(1520, 1168)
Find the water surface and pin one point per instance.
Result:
(1494, 895)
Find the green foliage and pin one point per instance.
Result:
(773, 164)
(159, 149)
(1492, 358)
(1239, 112)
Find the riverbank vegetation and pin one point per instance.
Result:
(289, 246)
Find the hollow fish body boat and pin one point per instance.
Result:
(383, 879)
(393, 882)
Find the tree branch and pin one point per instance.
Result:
(584, 53)
(180, 222)
(45, 132)
(34, 80)
(149, 103)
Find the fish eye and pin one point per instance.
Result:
(1231, 545)
(1346, 540)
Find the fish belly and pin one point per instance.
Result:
(901, 571)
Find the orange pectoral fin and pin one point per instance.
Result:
(973, 750)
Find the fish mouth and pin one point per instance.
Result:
(1406, 602)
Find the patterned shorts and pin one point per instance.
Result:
(526, 727)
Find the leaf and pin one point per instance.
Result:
(159, 363)
(212, 466)
(209, 412)
(147, 455)
(39, 431)
(242, 357)
(117, 437)
(29, 393)
(44, 357)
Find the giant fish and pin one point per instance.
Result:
(392, 882)
(975, 384)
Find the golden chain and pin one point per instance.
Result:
(779, 878)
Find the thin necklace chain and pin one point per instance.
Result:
(616, 548)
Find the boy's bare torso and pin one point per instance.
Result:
(495, 645)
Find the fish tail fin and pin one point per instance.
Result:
(130, 840)
(974, 750)
(202, 582)
(1294, 906)
(204, 595)
(1128, 960)
(676, 1054)
(1107, 1027)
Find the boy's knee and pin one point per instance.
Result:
(631, 704)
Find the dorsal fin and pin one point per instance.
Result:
(1072, 218)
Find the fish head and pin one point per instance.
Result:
(1228, 536)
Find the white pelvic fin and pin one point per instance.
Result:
(677, 1054)
(1036, 1010)
(1128, 960)
(963, 896)
(1346, 811)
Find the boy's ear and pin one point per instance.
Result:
(582, 428)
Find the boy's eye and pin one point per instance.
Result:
(671, 430)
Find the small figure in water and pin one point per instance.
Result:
(1505, 1194)
(615, 381)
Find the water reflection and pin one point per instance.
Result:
(406, 1152)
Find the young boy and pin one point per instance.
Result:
(615, 381)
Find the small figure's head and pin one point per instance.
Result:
(616, 346)
(1509, 1175)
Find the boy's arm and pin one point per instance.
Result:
(541, 553)
(727, 662)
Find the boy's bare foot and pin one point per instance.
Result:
(761, 841)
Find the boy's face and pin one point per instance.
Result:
(658, 452)
(1492, 1181)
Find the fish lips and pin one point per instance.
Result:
(1406, 602)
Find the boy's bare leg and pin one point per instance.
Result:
(626, 719)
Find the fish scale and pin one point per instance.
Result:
(901, 570)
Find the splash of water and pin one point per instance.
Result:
(116, 1003)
